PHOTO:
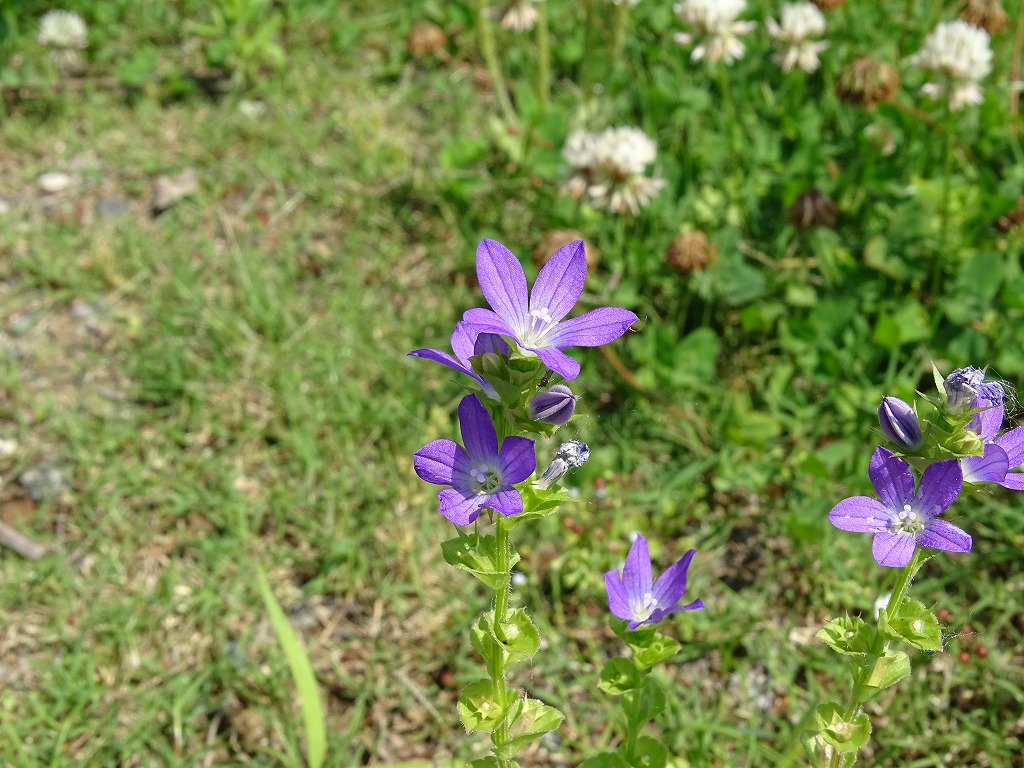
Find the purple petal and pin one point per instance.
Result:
(593, 328)
(988, 422)
(618, 600)
(637, 575)
(559, 362)
(659, 614)
(517, 459)
(892, 478)
(1013, 443)
(940, 486)
(478, 434)
(490, 342)
(893, 550)
(485, 321)
(443, 358)
(463, 341)
(507, 501)
(671, 585)
(988, 468)
(860, 514)
(434, 461)
(879, 457)
(560, 281)
(458, 507)
(1014, 481)
(461, 365)
(942, 534)
(503, 282)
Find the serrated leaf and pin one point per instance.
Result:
(478, 555)
(618, 676)
(477, 707)
(529, 719)
(844, 734)
(916, 625)
(848, 635)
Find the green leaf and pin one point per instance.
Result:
(848, 635)
(478, 555)
(529, 720)
(477, 707)
(915, 625)
(649, 753)
(302, 675)
(820, 751)
(605, 760)
(646, 701)
(846, 735)
(660, 648)
(539, 502)
(483, 762)
(618, 676)
(876, 674)
(522, 637)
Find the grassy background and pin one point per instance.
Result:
(225, 385)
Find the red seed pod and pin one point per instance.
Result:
(965, 657)
(967, 630)
(600, 483)
(945, 615)
(981, 651)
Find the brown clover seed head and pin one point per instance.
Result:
(987, 14)
(829, 5)
(813, 209)
(868, 82)
(426, 39)
(690, 252)
(1013, 218)
(554, 239)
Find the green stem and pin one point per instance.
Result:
(619, 33)
(504, 566)
(543, 58)
(899, 594)
(490, 53)
(939, 266)
(730, 108)
(633, 725)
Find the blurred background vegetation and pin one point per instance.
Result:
(222, 226)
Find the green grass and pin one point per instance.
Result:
(246, 373)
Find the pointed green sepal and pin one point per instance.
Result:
(842, 733)
(528, 720)
(914, 624)
(848, 635)
(478, 555)
(477, 707)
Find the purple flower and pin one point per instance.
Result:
(481, 474)
(963, 385)
(633, 597)
(902, 520)
(1002, 452)
(466, 343)
(534, 319)
(899, 423)
(554, 406)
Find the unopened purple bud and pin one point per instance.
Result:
(962, 386)
(554, 406)
(899, 423)
(570, 455)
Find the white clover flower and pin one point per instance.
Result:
(521, 16)
(608, 169)
(63, 29)
(801, 24)
(716, 29)
(961, 55)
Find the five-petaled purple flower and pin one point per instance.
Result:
(903, 519)
(466, 343)
(1002, 452)
(534, 319)
(632, 595)
(480, 475)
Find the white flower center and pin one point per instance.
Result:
(906, 521)
(643, 606)
(488, 479)
(539, 324)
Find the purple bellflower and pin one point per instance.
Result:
(535, 319)
(465, 343)
(1002, 452)
(963, 385)
(481, 474)
(903, 519)
(899, 423)
(637, 598)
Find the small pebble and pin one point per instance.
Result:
(54, 181)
